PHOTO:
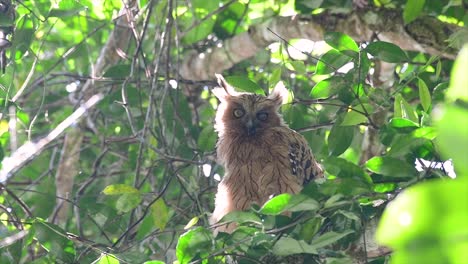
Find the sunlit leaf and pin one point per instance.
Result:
(340, 41)
(459, 78)
(108, 259)
(245, 84)
(424, 95)
(426, 214)
(193, 242)
(403, 109)
(191, 223)
(116, 189)
(392, 167)
(328, 87)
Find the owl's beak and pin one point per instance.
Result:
(251, 127)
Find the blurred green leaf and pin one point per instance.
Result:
(299, 67)
(459, 78)
(160, 214)
(340, 139)
(357, 115)
(425, 215)
(108, 259)
(119, 71)
(127, 202)
(242, 217)
(387, 51)
(286, 246)
(329, 238)
(452, 140)
(340, 41)
(328, 87)
(424, 95)
(193, 242)
(245, 84)
(275, 76)
(403, 123)
(207, 139)
(54, 239)
(393, 167)
(403, 109)
(412, 10)
(117, 189)
(288, 202)
(331, 61)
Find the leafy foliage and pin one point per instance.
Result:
(143, 183)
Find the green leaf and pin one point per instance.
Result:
(191, 223)
(299, 67)
(287, 202)
(288, 246)
(452, 140)
(245, 84)
(24, 33)
(459, 77)
(242, 217)
(275, 76)
(193, 242)
(276, 205)
(160, 214)
(329, 238)
(403, 123)
(207, 139)
(127, 202)
(331, 61)
(55, 240)
(120, 71)
(403, 109)
(108, 259)
(356, 115)
(154, 262)
(392, 167)
(117, 189)
(328, 87)
(424, 95)
(412, 10)
(340, 41)
(67, 8)
(340, 139)
(342, 168)
(432, 212)
(387, 51)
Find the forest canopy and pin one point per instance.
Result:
(107, 144)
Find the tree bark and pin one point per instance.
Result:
(425, 34)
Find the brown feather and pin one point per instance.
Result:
(262, 158)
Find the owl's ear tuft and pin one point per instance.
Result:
(279, 95)
(225, 90)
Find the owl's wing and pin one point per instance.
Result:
(303, 163)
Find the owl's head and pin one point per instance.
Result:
(247, 114)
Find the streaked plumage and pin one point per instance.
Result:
(261, 155)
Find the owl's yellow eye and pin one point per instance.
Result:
(262, 116)
(238, 113)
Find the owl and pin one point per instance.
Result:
(261, 155)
